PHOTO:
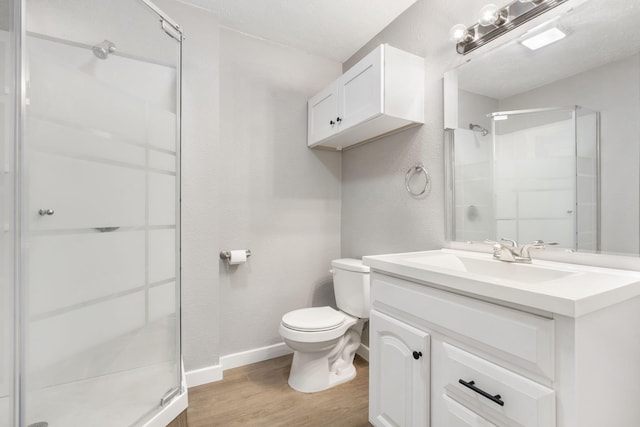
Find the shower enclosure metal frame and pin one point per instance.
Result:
(18, 222)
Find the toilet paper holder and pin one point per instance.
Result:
(226, 255)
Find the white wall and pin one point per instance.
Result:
(378, 215)
(277, 197)
(249, 181)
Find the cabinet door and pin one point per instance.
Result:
(322, 114)
(398, 373)
(459, 416)
(360, 91)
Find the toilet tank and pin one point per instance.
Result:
(351, 286)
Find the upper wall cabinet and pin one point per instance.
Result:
(382, 93)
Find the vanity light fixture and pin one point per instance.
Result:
(495, 21)
(544, 38)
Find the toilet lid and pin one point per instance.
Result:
(313, 319)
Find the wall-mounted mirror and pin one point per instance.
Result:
(545, 144)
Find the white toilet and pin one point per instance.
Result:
(325, 340)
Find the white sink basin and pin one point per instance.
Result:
(491, 268)
(556, 287)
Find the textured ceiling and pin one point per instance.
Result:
(599, 32)
(333, 29)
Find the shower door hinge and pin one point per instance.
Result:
(168, 397)
(171, 30)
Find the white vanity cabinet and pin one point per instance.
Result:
(545, 344)
(384, 92)
(469, 341)
(540, 345)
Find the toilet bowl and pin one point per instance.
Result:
(325, 340)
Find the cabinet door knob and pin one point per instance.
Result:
(43, 212)
(417, 355)
(331, 122)
(338, 120)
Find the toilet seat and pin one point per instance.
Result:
(314, 319)
(328, 328)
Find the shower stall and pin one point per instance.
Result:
(532, 175)
(90, 214)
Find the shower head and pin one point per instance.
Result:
(478, 128)
(103, 49)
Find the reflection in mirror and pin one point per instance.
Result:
(533, 176)
(559, 158)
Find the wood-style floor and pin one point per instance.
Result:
(258, 395)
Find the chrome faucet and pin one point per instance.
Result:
(511, 252)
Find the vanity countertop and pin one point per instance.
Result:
(566, 289)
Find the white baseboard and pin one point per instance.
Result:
(363, 351)
(202, 376)
(253, 356)
(215, 373)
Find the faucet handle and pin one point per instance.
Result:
(514, 244)
(541, 243)
(536, 244)
(496, 245)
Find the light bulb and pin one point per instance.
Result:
(491, 15)
(458, 33)
(488, 15)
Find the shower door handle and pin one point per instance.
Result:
(43, 212)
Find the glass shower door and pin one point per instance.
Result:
(101, 207)
(7, 103)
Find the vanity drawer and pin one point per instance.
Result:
(522, 338)
(460, 416)
(496, 393)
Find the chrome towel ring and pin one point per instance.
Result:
(419, 168)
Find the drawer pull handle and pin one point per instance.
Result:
(471, 385)
(417, 355)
